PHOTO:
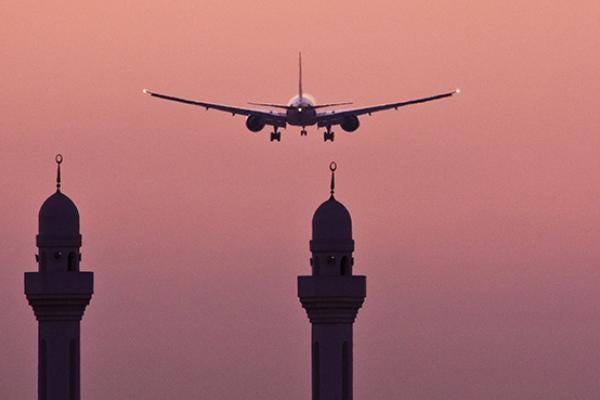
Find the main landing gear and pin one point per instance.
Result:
(275, 135)
(328, 135)
(303, 132)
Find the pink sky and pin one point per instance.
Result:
(476, 218)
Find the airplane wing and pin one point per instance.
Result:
(270, 118)
(336, 117)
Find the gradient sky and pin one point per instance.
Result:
(476, 218)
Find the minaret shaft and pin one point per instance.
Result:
(58, 359)
(332, 303)
(58, 300)
(332, 361)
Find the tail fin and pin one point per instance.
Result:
(300, 74)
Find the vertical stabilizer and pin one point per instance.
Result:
(300, 74)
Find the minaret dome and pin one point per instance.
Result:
(58, 216)
(332, 221)
(332, 224)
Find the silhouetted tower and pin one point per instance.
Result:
(332, 297)
(58, 294)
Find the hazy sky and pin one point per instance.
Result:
(476, 218)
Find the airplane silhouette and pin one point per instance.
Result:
(302, 111)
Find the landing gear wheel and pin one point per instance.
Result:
(303, 132)
(328, 135)
(276, 136)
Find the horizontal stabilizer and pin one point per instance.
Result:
(271, 105)
(332, 104)
(290, 107)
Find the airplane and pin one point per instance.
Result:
(302, 111)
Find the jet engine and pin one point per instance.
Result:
(350, 123)
(255, 123)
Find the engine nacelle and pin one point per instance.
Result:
(255, 123)
(350, 123)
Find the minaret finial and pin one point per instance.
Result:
(59, 160)
(332, 168)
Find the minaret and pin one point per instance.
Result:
(58, 294)
(332, 297)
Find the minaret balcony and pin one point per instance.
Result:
(332, 299)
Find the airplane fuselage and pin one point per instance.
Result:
(301, 111)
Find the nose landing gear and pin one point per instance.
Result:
(275, 136)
